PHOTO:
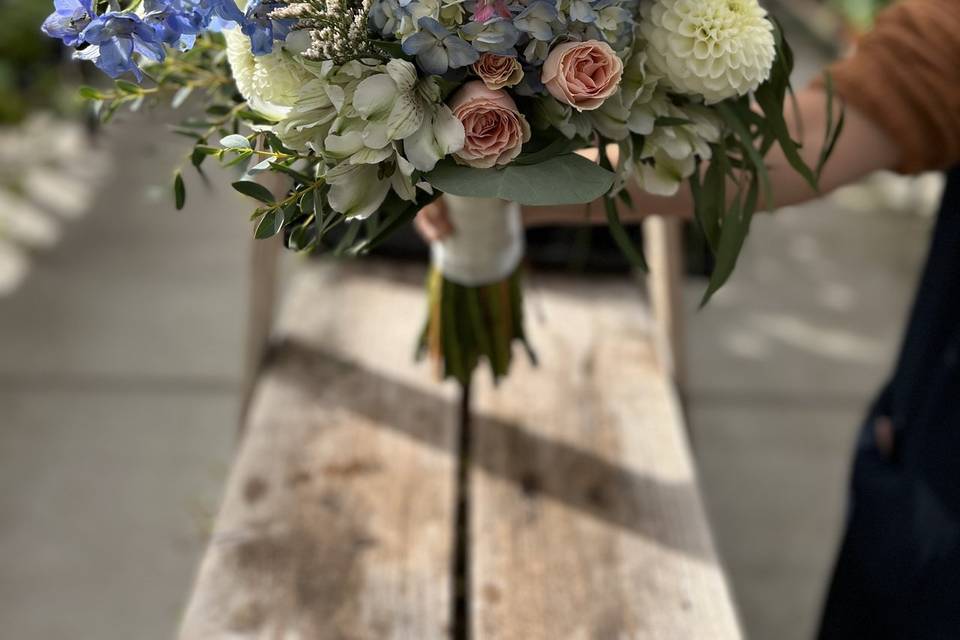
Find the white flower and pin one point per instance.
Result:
(270, 83)
(717, 49)
(356, 190)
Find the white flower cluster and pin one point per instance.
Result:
(337, 28)
(716, 49)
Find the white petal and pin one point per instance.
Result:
(403, 73)
(356, 191)
(343, 145)
(421, 148)
(448, 130)
(375, 96)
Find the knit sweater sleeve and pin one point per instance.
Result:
(905, 76)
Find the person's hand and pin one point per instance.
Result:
(433, 223)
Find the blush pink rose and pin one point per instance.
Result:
(495, 130)
(582, 74)
(496, 71)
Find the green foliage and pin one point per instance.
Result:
(563, 179)
(725, 218)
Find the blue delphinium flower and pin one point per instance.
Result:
(537, 20)
(261, 29)
(115, 37)
(68, 20)
(220, 14)
(437, 49)
(177, 22)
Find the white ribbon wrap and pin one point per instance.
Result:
(487, 243)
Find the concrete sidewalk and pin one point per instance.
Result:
(120, 359)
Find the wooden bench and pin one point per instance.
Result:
(365, 504)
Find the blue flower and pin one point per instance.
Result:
(387, 14)
(115, 38)
(177, 22)
(261, 29)
(220, 14)
(537, 20)
(437, 49)
(581, 11)
(497, 35)
(68, 20)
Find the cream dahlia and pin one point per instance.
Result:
(270, 83)
(716, 49)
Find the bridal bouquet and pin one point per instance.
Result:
(371, 109)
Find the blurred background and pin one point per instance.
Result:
(121, 347)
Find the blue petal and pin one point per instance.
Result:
(433, 27)
(459, 52)
(417, 43)
(434, 60)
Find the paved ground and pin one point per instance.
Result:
(783, 364)
(119, 372)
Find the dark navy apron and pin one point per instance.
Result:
(898, 572)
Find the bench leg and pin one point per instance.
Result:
(665, 254)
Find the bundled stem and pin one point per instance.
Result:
(466, 325)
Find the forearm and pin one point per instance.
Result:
(862, 149)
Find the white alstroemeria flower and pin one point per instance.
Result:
(440, 134)
(307, 123)
(674, 149)
(665, 175)
(393, 104)
(356, 190)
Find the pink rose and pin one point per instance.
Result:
(494, 129)
(582, 74)
(496, 71)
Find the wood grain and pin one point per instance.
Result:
(338, 516)
(586, 519)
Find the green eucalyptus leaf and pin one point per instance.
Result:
(254, 190)
(179, 190)
(564, 179)
(270, 224)
(235, 141)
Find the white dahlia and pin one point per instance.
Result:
(716, 49)
(269, 83)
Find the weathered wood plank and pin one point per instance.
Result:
(586, 520)
(338, 516)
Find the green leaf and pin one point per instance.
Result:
(179, 190)
(235, 141)
(632, 252)
(128, 87)
(736, 226)
(564, 179)
(270, 224)
(89, 93)
(557, 147)
(733, 118)
(254, 190)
